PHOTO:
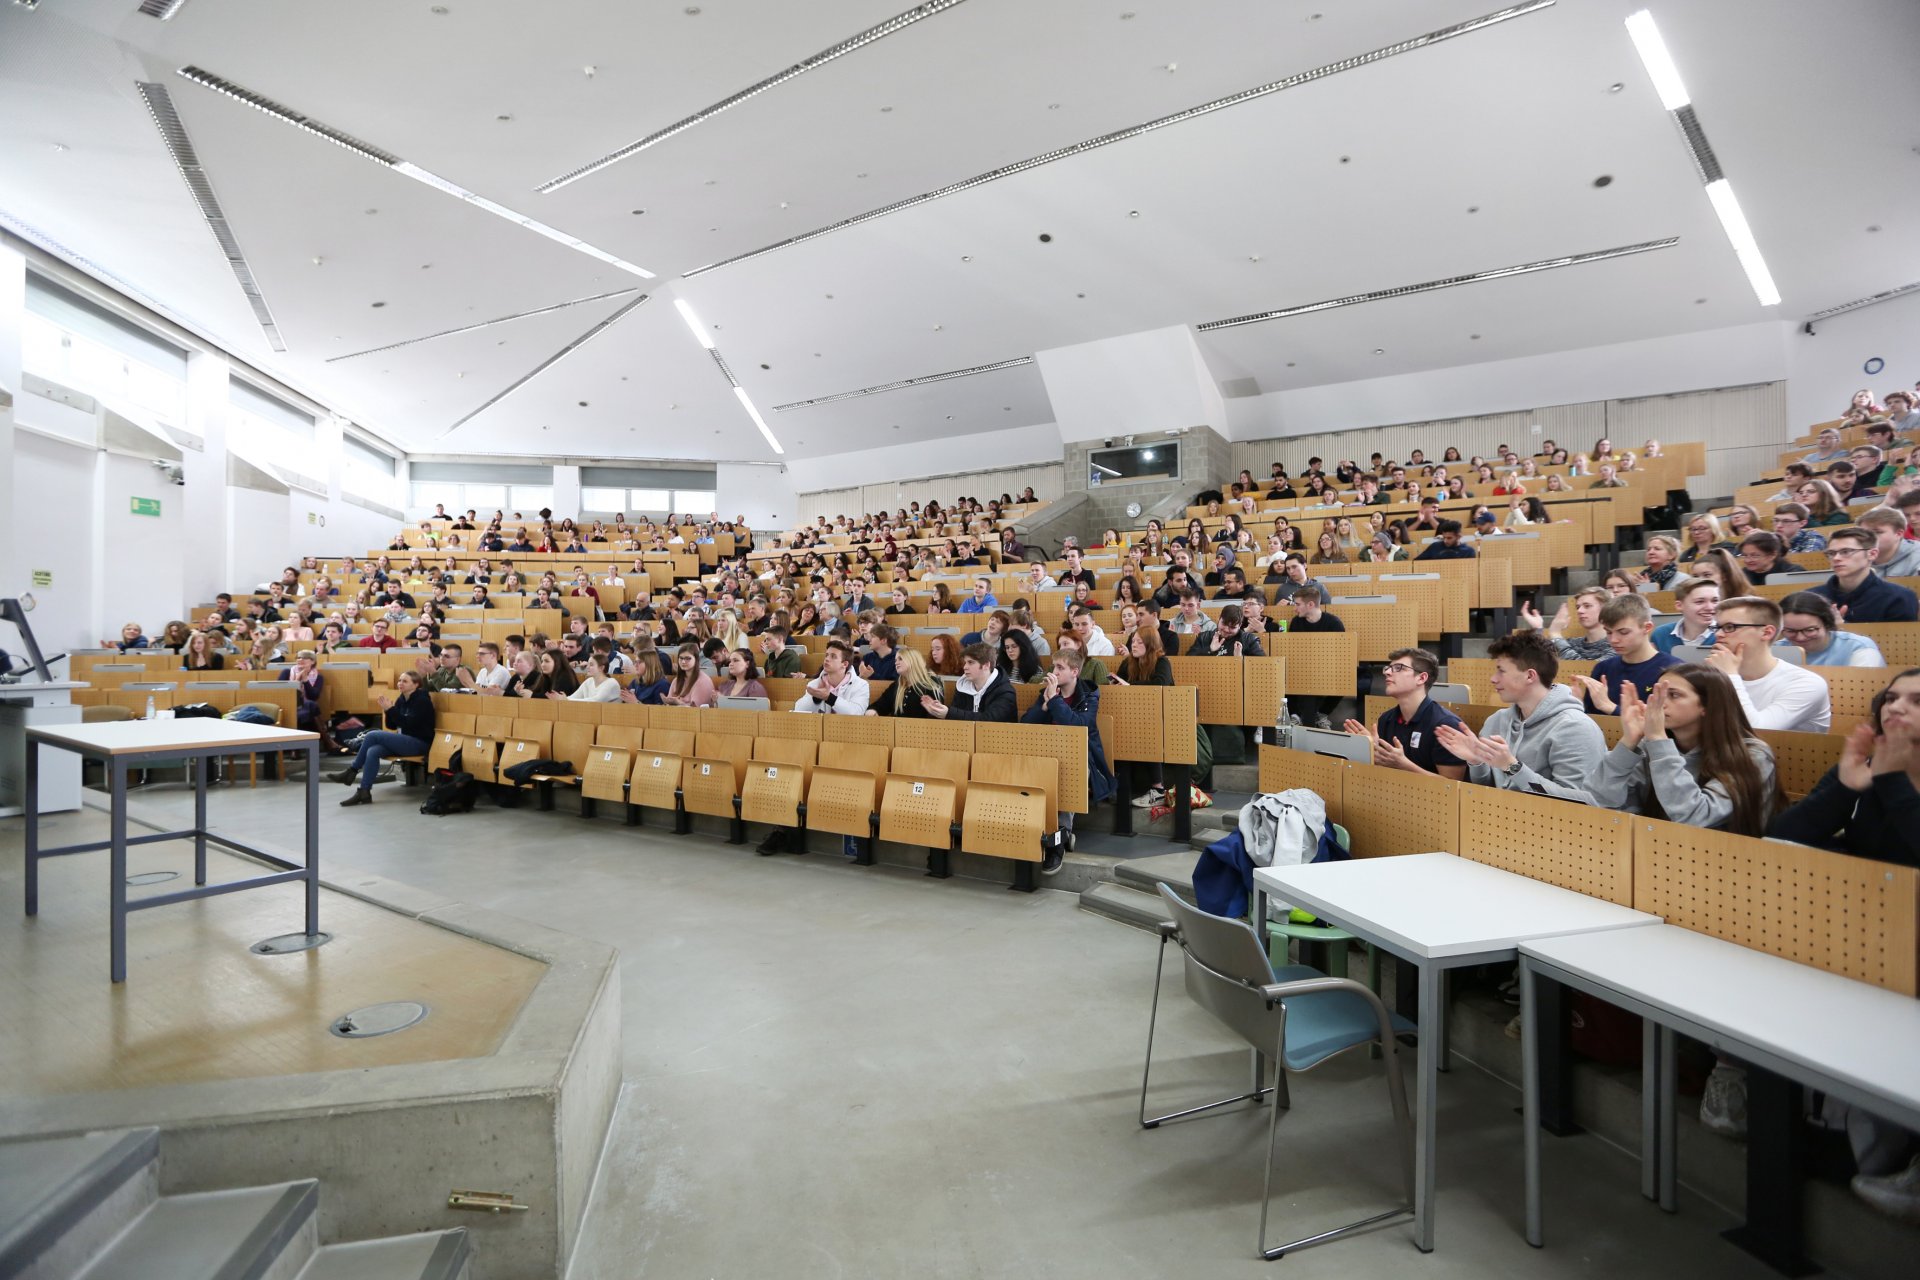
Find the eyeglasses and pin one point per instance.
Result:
(1834, 553)
(1740, 626)
(1804, 631)
(1403, 668)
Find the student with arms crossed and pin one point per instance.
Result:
(1541, 742)
(1774, 694)
(1406, 736)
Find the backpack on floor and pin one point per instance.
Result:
(451, 793)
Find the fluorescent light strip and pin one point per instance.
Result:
(896, 23)
(367, 151)
(173, 134)
(906, 382)
(547, 364)
(1885, 295)
(758, 421)
(161, 9)
(1449, 282)
(1655, 57)
(484, 324)
(1745, 247)
(1138, 130)
(700, 333)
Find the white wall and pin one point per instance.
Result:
(1134, 383)
(764, 495)
(956, 456)
(257, 533)
(1825, 370)
(142, 558)
(1730, 357)
(53, 498)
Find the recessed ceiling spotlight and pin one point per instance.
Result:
(896, 426)
(318, 260)
(426, 266)
(711, 181)
(503, 117)
(1045, 238)
(1875, 227)
(1079, 295)
(1379, 351)
(1473, 208)
(637, 212)
(1053, 106)
(966, 257)
(1006, 408)
(1171, 67)
(1253, 257)
(829, 297)
(766, 366)
(589, 72)
(937, 328)
(1133, 213)
(1289, 364)
(885, 110)
(582, 403)
(859, 175)
(673, 406)
(61, 146)
(1604, 180)
(1346, 159)
(379, 304)
(783, 204)
(1314, 17)
(949, 417)
(816, 355)
(1127, 16)
(1474, 336)
(1699, 302)
(371, 212)
(1615, 87)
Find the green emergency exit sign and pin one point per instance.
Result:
(146, 506)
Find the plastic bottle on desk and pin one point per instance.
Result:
(150, 712)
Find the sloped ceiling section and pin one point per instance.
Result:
(1376, 157)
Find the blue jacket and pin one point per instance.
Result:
(1082, 709)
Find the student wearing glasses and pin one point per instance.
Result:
(1774, 694)
(1857, 593)
(1808, 621)
(1407, 736)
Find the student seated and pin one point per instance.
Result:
(838, 689)
(1894, 554)
(782, 663)
(1228, 639)
(1586, 603)
(913, 682)
(1774, 694)
(1635, 660)
(1406, 735)
(1808, 621)
(1069, 698)
(982, 694)
(1541, 742)
(1857, 593)
(1309, 616)
(1448, 545)
(1698, 600)
(409, 730)
(1687, 754)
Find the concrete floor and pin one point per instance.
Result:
(858, 1072)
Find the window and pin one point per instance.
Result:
(361, 454)
(77, 361)
(530, 498)
(604, 501)
(484, 498)
(696, 502)
(651, 501)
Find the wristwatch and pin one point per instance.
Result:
(1511, 769)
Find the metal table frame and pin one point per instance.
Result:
(1775, 1169)
(118, 764)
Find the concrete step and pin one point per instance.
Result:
(267, 1233)
(62, 1199)
(431, 1255)
(1172, 869)
(1236, 779)
(1129, 906)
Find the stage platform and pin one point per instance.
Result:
(508, 1083)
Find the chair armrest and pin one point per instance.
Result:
(1167, 929)
(1275, 992)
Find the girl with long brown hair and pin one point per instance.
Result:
(1687, 754)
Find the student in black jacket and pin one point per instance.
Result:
(1230, 639)
(1067, 699)
(982, 694)
(409, 730)
(1868, 805)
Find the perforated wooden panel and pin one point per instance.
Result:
(735, 748)
(572, 742)
(445, 743)
(626, 714)
(871, 730)
(1181, 734)
(783, 692)
(625, 737)
(1899, 641)
(1847, 915)
(1263, 683)
(1135, 714)
(1064, 743)
(512, 752)
(1575, 846)
(1570, 667)
(937, 735)
(655, 778)
(786, 724)
(1475, 673)
(687, 719)
(536, 709)
(707, 786)
(918, 811)
(493, 726)
(1377, 629)
(794, 752)
(605, 774)
(1005, 821)
(1494, 583)
(1801, 759)
(1322, 663)
(1421, 594)
(1040, 773)
(538, 732)
(843, 802)
(1852, 690)
(729, 720)
(1218, 681)
(455, 721)
(772, 793)
(1390, 811)
(1283, 769)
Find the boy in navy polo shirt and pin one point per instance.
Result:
(1405, 738)
(1636, 660)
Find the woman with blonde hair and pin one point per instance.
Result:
(913, 680)
(1720, 566)
(1703, 535)
(202, 654)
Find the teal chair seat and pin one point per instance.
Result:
(1324, 1023)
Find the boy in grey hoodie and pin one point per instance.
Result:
(1541, 742)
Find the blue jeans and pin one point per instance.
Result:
(377, 746)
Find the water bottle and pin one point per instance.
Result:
(149, 706)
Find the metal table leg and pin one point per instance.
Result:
(117, 868)
(30, 803)
(1668, 1143)
(1530, 1100)
(1650, 1082)
(313, 838)
(1427, 1105)
(200, 766)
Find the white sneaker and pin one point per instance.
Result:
(1895, 1194)
(1723, 1104)
(1154, 796)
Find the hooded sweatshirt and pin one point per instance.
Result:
(993, 701)
(1558, 747)
(1627, 774)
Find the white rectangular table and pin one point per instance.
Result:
(1858, 1042)
(23, 706)
(126, 745)
(1437, 912)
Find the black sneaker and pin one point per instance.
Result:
(1051, 862)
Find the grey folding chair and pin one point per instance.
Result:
(1293, 1014)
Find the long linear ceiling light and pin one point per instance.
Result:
(898, 22)
(366, 151)
(1139, 130)
(180, 147)
(705, 339)
(948, 376)
(547, 364)
(1679, 104)
(1449, 282)
(1885, 295)
(484, 324)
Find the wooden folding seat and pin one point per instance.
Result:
(1065, 744)
(604, 773)
(537, 709)
(678, 741)
(772, 792)
(458, 721)
(529, 740)
(736, 749)
(918, 811)
(926, 764)
(655, 780)
(1006, 821)
(572, 743)
(496, 724)
(447, 742)
(628, 738)
(843, 796)
(1029, 772)
(479, 754)
(708, 785)
(796, 752)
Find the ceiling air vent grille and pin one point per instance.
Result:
(161, 9)
(548, 363)
(484, 324)
(1885, 295)
(948, 376)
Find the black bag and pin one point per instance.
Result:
(451, 793)
(521, 774)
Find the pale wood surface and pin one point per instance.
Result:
(129, 737)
